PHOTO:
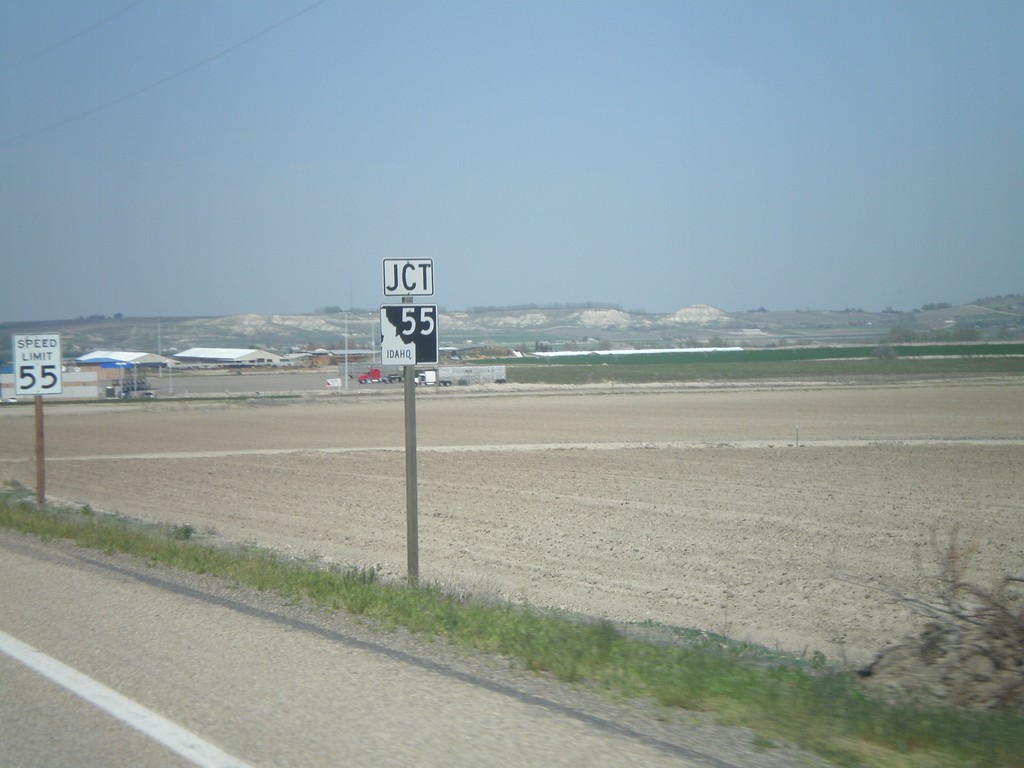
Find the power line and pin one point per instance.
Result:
(71, 39)
(162, 81)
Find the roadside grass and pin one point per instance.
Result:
(801, 701)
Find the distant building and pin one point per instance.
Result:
(215, 357)
(105, 358)
(320, 358)
(123, 374)
(299, 359)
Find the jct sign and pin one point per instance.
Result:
(37, 364)
(408, 277)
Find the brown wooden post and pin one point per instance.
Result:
(40, 454)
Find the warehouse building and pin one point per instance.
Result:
(105, 357)
(215, 357)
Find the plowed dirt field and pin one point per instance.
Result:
(777, 515)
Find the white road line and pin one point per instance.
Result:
(185, 743)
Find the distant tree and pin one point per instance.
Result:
(966, 334)
(901, 334)
(885, 351)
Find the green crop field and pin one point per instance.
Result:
(802, 363)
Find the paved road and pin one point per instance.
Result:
(185, 671)
(250, 382)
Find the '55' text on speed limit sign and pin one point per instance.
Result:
(408, 334)
(37, 364)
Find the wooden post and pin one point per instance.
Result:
(40, 454)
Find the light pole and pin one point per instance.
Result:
(346, 347)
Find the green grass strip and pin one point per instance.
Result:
(681, 368)
(820, 709)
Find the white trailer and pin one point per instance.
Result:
(470, 374)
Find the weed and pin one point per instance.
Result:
(761, 744)
(182, 532)
(971, 649)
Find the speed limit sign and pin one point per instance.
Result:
(37, 364)
(408, 334)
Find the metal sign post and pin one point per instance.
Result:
(408, 335)
(38, 371)
(412, 523)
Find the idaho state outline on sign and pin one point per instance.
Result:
(424, 344)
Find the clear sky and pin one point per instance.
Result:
(213, 157)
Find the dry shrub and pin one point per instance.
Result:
(970, 652)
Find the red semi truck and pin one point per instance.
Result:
(376, 376)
